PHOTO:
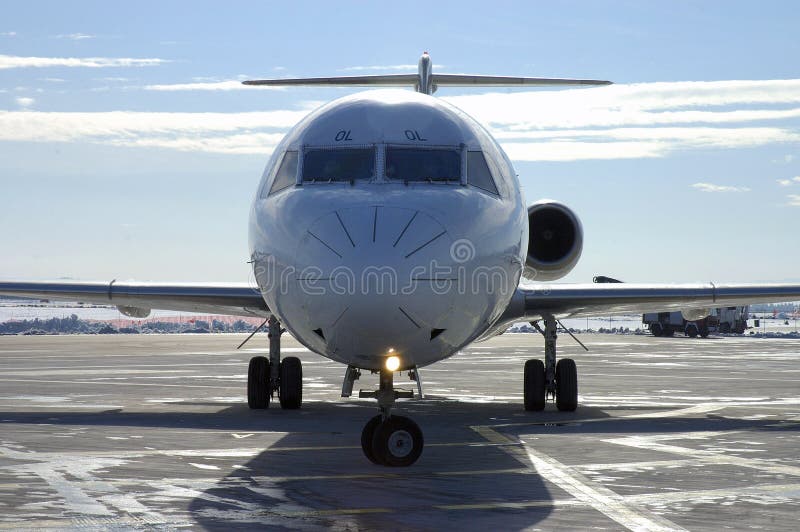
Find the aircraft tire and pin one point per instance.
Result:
(291, 383)
(366, 438)
(258, 393)
(534, 385)
(397, 442)
(691, 331)
(566, 385)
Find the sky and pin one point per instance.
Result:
(129, 149)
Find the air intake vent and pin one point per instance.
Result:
(318, 332)
(436, 332)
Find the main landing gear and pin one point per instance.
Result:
(387, 439)
(550, 380)
(265, 376)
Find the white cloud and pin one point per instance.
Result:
(785, 182)
(230, 85)
(256, 133)
(25, 102)
(632, 143)
(710, 187)
(75, 36)
(375, 68)
(12, 61)
(619, 122)
(794, 200)
(8, 34)
(637, 120)
(644, 104)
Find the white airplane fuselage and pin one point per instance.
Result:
(380, 263)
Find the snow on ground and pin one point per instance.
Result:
(18, 311)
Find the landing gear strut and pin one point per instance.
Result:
(550, 380)
(388, 439)
(265, 376)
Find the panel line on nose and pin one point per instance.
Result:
(374, 224)
(340, 316)
(409, 317)
(426, 243)
(325, 243)
(405, 229)
(345, 229)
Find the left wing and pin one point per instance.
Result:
(533, 302)
(137, 299)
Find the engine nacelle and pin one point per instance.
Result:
(555, 241)
(695, 314)
(134, 312)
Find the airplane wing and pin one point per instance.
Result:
(533, 302)
(137, 299)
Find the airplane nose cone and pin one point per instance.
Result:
(376, 278)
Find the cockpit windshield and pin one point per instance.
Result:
(327, 165)
(413, 164)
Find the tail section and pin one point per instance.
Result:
(426, 82)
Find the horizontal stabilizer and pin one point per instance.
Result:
(426, 82)
(468, 80)
(442, 80)
(386, 80)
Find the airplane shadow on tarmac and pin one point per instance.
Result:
(315, 475)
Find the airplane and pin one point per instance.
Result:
(389, 232)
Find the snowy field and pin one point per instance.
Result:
(26, 310)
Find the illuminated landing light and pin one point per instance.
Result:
(393, 363)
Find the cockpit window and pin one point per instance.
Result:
(478, 174)
(287, 172)
(407, 164)
(320, 165)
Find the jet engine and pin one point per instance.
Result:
(694, 314)
(134, 312)
(555, 241)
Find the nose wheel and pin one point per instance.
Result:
(390, 440)
(395, 441)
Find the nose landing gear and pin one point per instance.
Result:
(387, 439)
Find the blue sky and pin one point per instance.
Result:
(128, 149)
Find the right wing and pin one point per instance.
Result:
(531, 303)
(137, 299)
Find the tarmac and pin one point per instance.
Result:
(152, 432)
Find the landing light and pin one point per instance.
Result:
(393, 363)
